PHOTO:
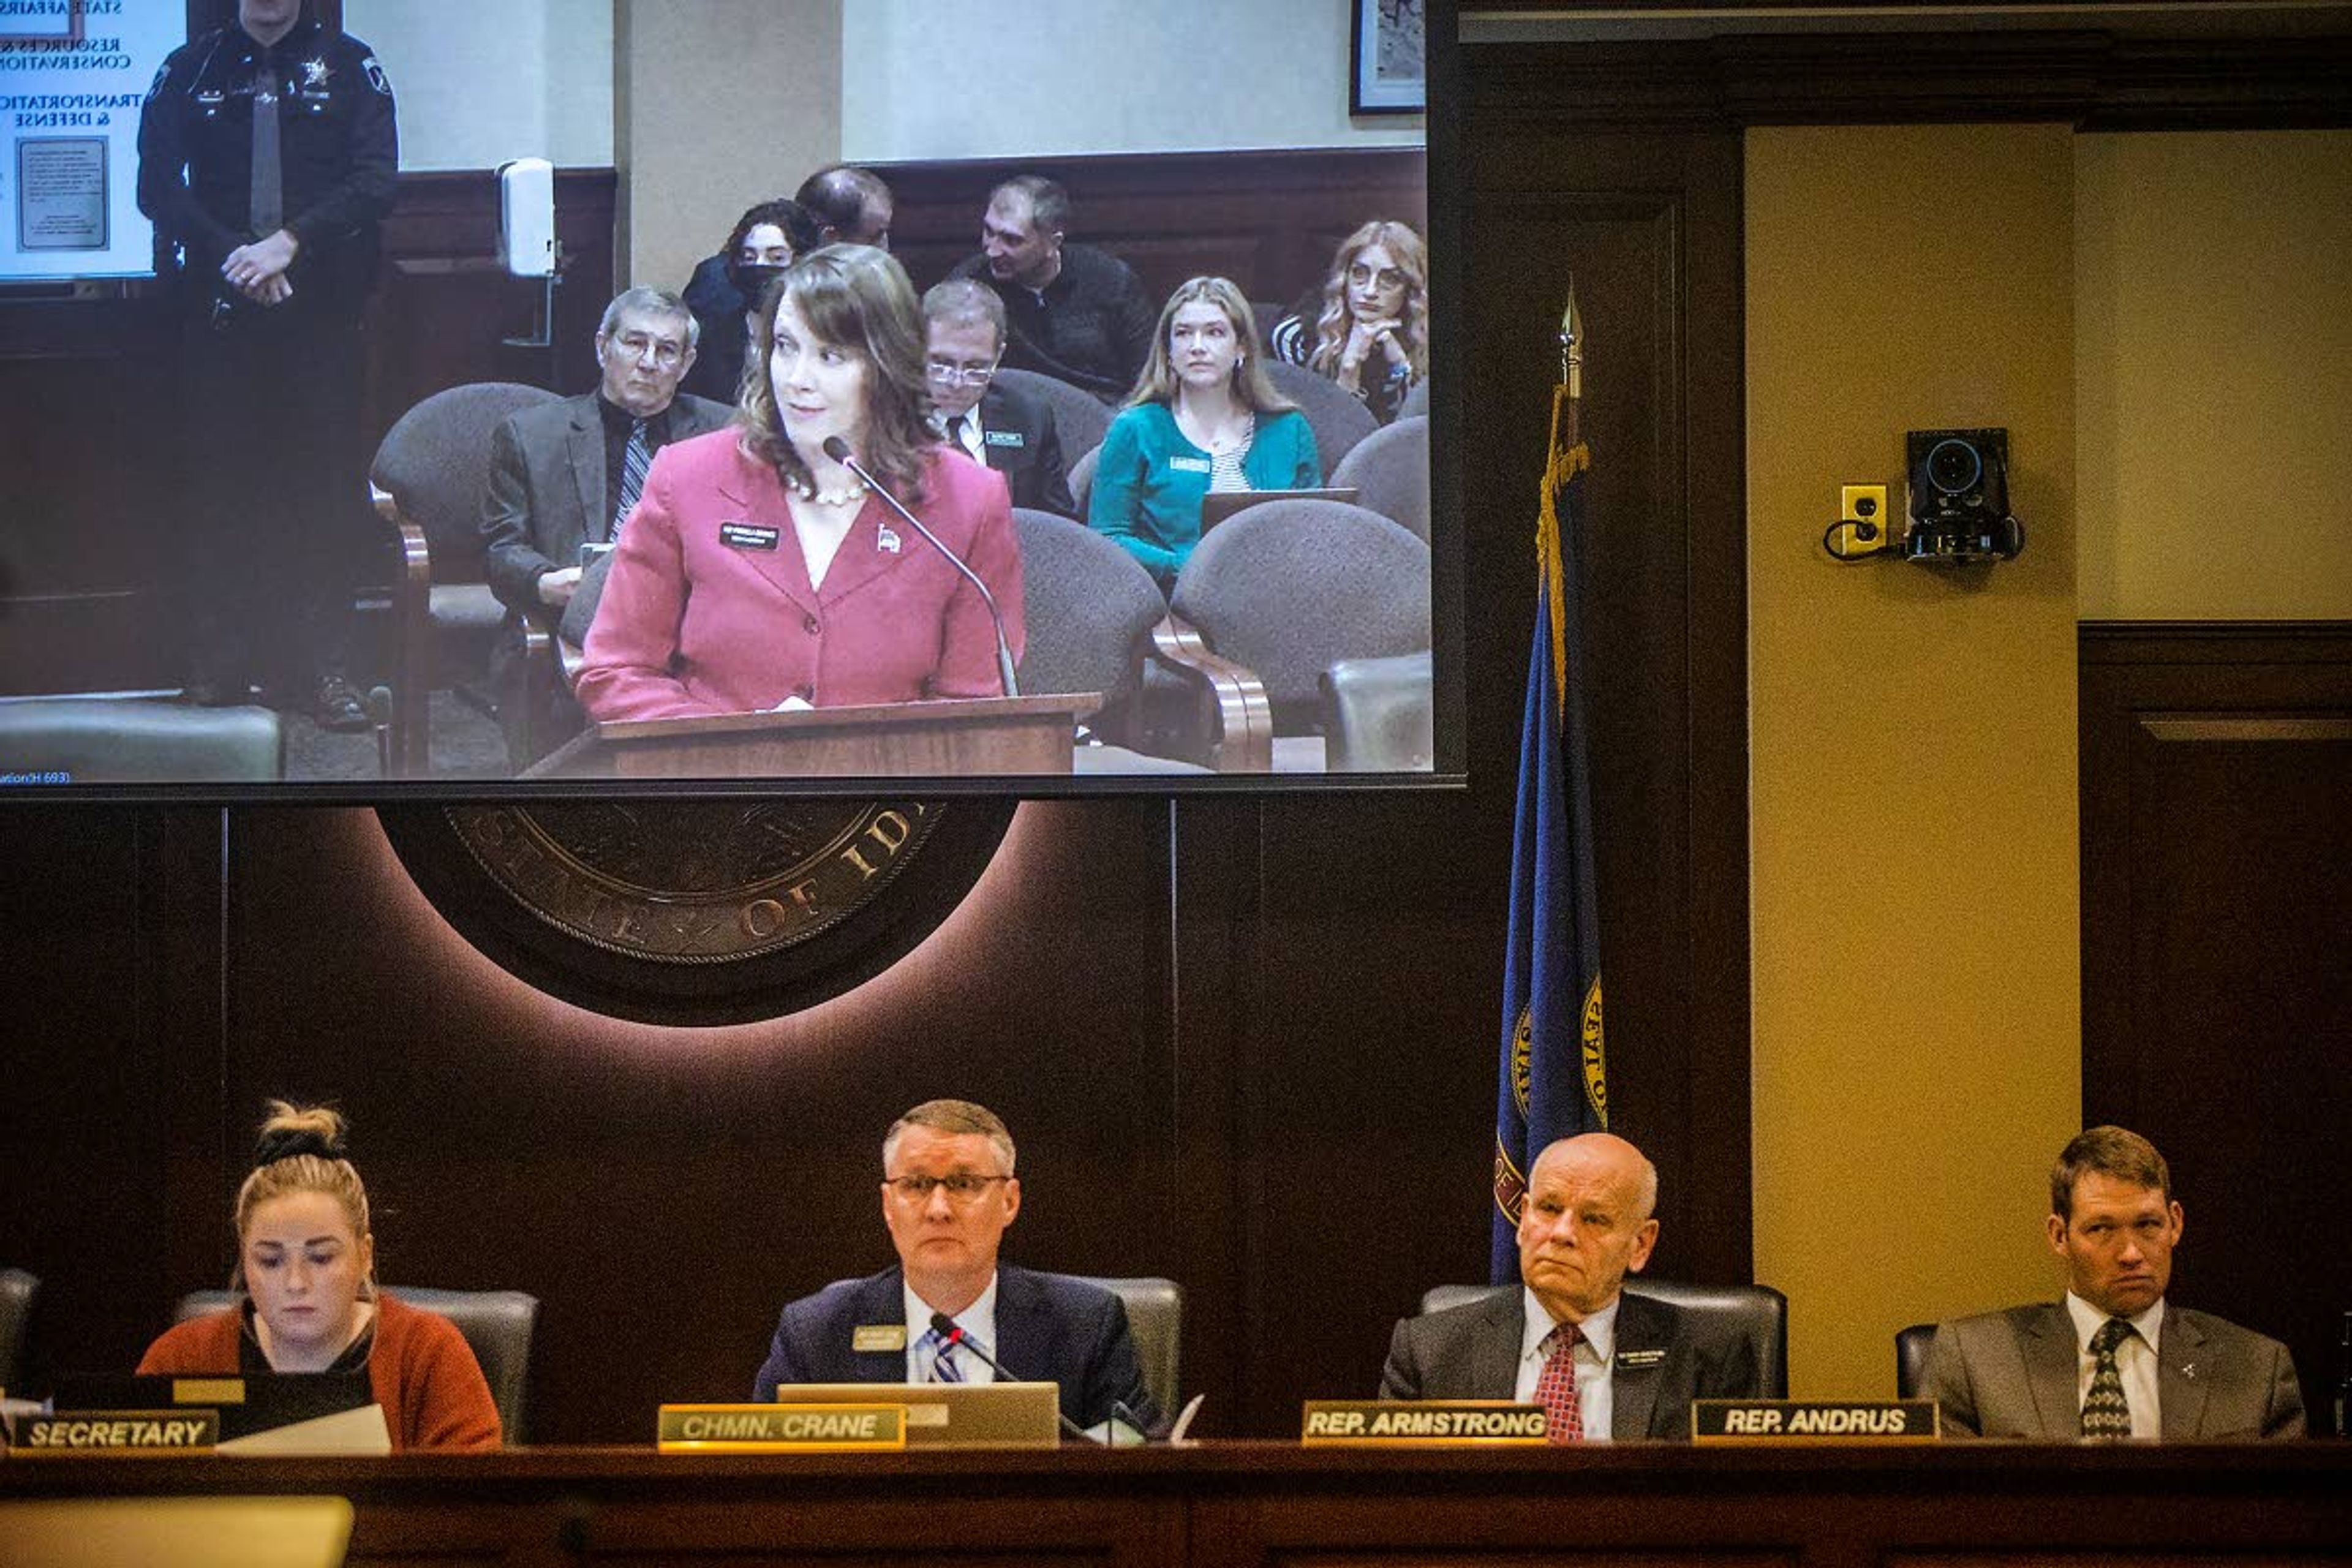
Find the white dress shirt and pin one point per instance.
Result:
(2135, 1359)
(978, 1322)
(1594, 1353)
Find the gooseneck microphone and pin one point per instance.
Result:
(951, 1331)
(838, 450)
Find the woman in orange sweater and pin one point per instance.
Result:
(306, 1269)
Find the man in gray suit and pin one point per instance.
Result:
(563, 477)
(2112, 1360)
(1604, 1364)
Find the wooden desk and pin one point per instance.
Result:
(1229, 1505)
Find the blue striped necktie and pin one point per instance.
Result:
(636, 458)
(943, 1362)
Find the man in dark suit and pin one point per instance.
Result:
(1604, 1364)
(948, 1194)
(2113, 1360)
(565, 475)
(987, 422)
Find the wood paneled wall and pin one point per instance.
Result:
(2217, 953)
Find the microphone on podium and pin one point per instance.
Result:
(949, 1330)
(838, 450)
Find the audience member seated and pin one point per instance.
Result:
(849, 205)
(1368, 330)
(306, 1269)
(564, 476)
(948, 1195)
(1605, 1365)
(989, 422)
(757, 572)
(2114, 1358)
(1074, 312)
(1203, 417)
(725, 287)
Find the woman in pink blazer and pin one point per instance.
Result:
(757, 573)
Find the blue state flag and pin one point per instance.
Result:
(1551, 1081)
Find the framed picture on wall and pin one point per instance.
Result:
(1384, 55)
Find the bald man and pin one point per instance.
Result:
(1604, 1364)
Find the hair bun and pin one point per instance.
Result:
(293, 1130)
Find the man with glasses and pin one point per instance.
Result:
(948, 1194)
(988, 422)
(564, 478)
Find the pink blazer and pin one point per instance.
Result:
(709, 609)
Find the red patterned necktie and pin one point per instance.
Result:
(1556, 1388)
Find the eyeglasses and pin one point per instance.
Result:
(961, 1188)
(636, 346)
(947, 374)
(1360, 275)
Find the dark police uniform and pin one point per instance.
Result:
(277, 487)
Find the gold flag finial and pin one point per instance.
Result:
(1572, 345)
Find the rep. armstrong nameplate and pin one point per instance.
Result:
(1376, 1423)
(781, 1428)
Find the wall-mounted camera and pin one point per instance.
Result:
(1958, 498)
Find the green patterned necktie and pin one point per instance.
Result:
(2107, 1415)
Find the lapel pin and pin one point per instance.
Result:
(884, 539)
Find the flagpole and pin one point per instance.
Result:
(1570, 392)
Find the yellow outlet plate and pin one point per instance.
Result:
(1852, 506)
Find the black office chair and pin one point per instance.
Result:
(1911, 1347)
(17, 1290)
(1760, 1311)
(498, 1326)
(1155, 1320)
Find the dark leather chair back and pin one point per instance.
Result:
(1760, 1311)
(1389, 471)
(1089, 607)
(498, 1326)
(1366, 578)
(1079, 416)
(1339, 416)
(1911, 1347)
(17, 1290)
(109, 740)
(1155, 1320)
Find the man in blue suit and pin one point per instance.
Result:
(948, 1194)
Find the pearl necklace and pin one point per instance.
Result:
(808, 491)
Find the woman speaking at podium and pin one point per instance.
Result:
(758, 572)
(306, 1271)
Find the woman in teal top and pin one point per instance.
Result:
(1202, 416)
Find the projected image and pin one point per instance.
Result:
(1021, 431)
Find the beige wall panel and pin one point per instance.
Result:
(2214, 360)
(717, 104)
(1913, 813)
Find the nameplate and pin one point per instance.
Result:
(1813, 1421)
(1192, 465)
(119, 1431)
(1451, 1423)
(1002, 438)
(875, 1338)
(781, 1428)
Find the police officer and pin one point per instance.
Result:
(267, 155)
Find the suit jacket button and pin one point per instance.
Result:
(806, 693)
(811, 625)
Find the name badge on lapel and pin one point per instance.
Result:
(879, 1337)
(1003, 437)
(747, 536)
(1191, 465)
(1633, 1360)
(884, 540)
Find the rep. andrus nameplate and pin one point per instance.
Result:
(1813, 1421)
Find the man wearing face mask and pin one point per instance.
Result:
(565, 475)
(725, 290)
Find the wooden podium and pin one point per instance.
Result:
(974, 738)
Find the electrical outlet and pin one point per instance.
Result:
(1863, 504)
